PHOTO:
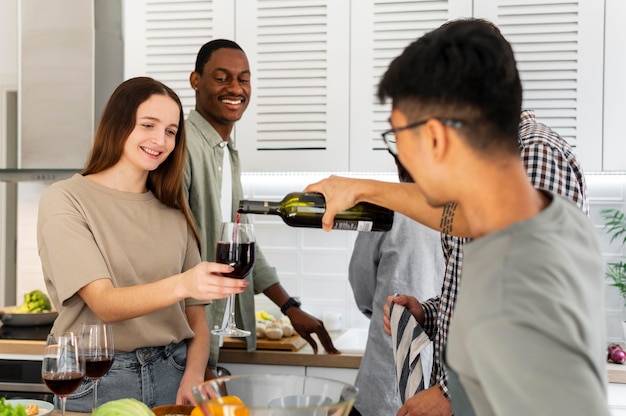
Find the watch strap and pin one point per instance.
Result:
(290, 302)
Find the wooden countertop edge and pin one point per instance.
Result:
(11, 346)
(304, 357)
(237, 356)
(617, 373)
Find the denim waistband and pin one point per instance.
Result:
(148, 354)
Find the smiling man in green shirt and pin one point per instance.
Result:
(221, 81)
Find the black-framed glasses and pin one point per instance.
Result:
(389, 136)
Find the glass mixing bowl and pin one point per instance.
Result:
(275, 395)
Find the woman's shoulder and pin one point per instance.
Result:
(59, 193)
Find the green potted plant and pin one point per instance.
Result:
(615, 226)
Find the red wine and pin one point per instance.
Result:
(96, 367)
(63, 384)
(300, 209)
(238, 255)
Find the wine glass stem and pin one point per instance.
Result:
(95, 394)
(63, 405)
(232, 323)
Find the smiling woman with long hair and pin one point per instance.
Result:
(118, 244)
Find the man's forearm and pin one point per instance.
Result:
(408, 199)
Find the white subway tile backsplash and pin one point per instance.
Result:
(317, 239)
(286, 262)
(613, 300)
(605, 187)
(325, 289)
(327, 263)
(277, 236)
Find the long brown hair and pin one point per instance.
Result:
(117, 123)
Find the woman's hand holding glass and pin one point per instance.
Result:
(206, 282)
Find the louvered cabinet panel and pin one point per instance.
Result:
(381, 30)
(316, 65)
(558, 47)
(299, 56)
(615, 92)
(170, 34)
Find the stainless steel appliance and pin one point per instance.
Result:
(70, 59)
(20, 374)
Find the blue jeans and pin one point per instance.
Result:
(151, 375)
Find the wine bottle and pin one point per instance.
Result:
(303, 209)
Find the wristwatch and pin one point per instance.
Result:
(290, 302)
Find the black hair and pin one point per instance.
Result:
(205, 52)
(464, 70)
(403, 174)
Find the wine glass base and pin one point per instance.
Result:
(231, 332)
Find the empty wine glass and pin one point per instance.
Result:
(235, 246)
(97, 339)
(63, 366)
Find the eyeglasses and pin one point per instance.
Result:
(389, 136)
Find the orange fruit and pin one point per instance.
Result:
(197, 411)
(216, 409)
(228, 400)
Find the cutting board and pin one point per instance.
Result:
(293, 343)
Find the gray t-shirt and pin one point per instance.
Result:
(527, 335)
(87, 232)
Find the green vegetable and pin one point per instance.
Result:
(8, 410)
(123, 407)
(34, 302)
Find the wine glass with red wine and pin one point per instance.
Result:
(235, 246)
(98, 350)
(63, 366)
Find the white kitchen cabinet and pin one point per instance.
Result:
(617, 399)
(316, 65)
(558, 48)
(614, 133)
(245, 369)
(347, 375)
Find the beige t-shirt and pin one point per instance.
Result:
(87, 232)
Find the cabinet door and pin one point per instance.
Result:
(162, 39)
(347, 375)
(380, 30)
(246, 369)
(559, 50)
(298, 119)
(615, 91)
(617, 399)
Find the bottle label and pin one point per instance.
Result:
(353, 225)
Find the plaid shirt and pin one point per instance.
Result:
(551, 166)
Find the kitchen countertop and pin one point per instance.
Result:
(303, 357)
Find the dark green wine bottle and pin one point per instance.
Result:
(300, 209)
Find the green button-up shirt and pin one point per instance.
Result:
(203, 180)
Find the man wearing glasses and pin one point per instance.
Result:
(468, 184)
